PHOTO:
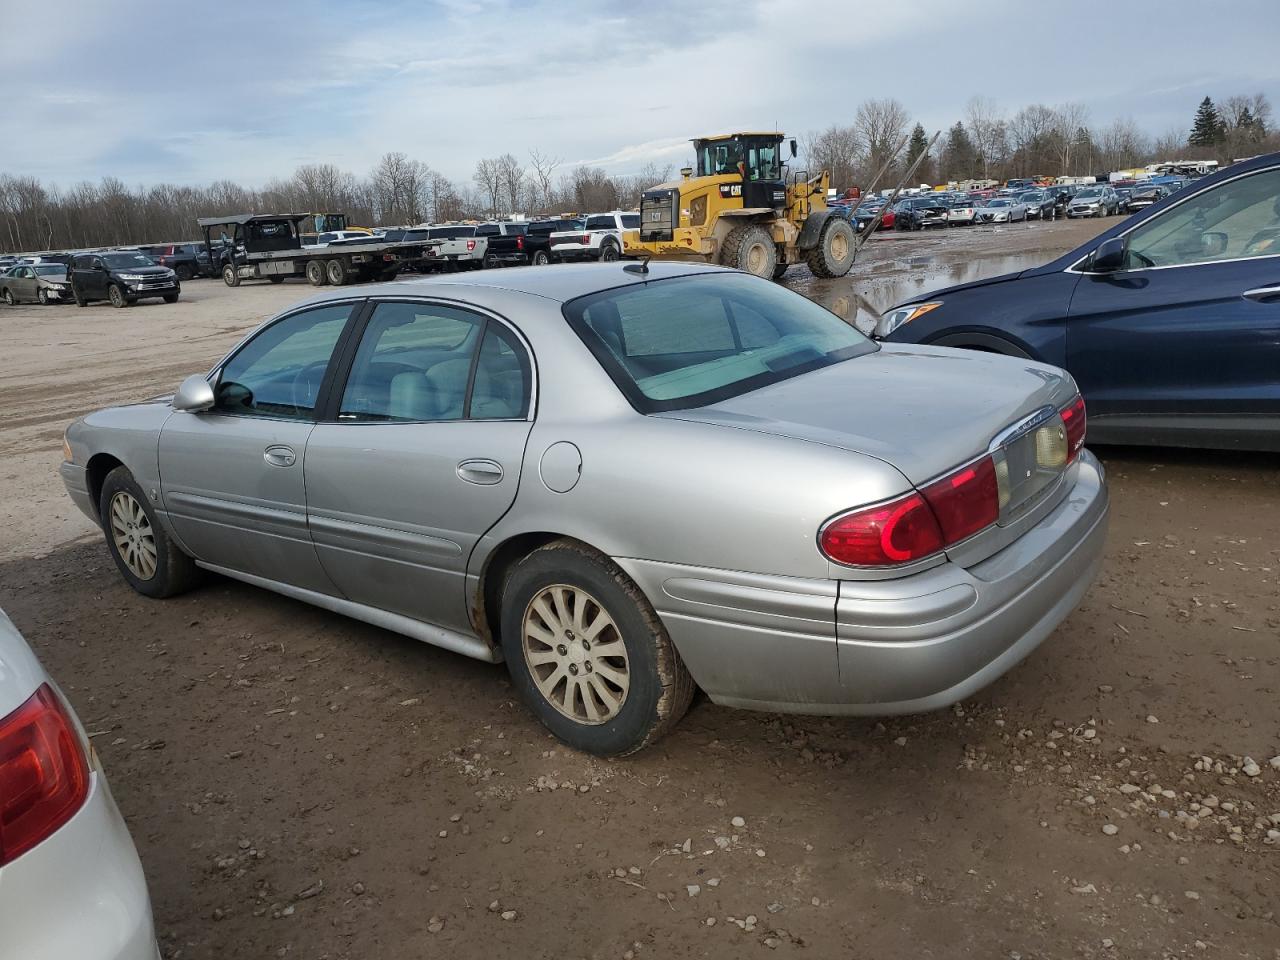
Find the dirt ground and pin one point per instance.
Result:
(301, 785)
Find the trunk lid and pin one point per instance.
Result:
(925, 410)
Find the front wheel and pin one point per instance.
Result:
(42, 297)
(837, 244)
(170, 298)
(148, 560)
(750, 248)
(230, 275)
(588, 653)
(116, 296)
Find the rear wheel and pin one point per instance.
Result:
(184, 271)
(588, 653)
(833, 256)
(540, 258)
(116, 296)
(336, 272)
(779, 270)
(750, 248)
(315, 273)
(230, 276)
(148, 560)
(609, 253)
(8, 297)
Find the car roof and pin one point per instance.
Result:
(560, 283)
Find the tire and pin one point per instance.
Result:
(230, 276)
(42, 296)
(184, 271)
(610, 253)
(336, 272)
(117, 297)
(8, 297)
(833, 256)
(276, 279)
(750, 248)
(540, 258)
(315, 273)
(80, 301)
(171, 297)
(658, 686)
(779, 270)
(122, 503)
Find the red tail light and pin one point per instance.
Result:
(917, 525)
(891, 533)
(519, 243)
(44, 776)
(586, 239)
(471, 245)
(1075, 420)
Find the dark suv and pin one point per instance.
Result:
(122, 277)
(187, 260)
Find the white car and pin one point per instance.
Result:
(599, 239)
(331, 237)
(1001, 210)
(71, 886)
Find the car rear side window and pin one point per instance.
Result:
(690, 341)
(278, 373)
(418, 362)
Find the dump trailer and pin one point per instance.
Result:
(268, 246)
(741, 207)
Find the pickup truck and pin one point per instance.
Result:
(599, 238)
(453, 248)
(504, 243)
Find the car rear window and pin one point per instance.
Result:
(601, 223)
(488, 230)
(451, 233)
(690, 341)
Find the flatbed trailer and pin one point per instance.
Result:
(264, 246)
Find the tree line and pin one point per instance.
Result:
(985, 144)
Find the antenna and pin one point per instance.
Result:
(641, 267)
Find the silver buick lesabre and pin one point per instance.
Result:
(623, 481)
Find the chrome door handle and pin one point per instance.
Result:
(1262, 293)
(278, 455)
(486, 472)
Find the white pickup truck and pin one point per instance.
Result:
(599, 239)
(453, 248)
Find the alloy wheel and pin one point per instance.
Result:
(575, 654)
(132, 534)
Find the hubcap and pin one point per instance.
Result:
(575, 654)
(756, 258)
(839, 246)
(132, 534)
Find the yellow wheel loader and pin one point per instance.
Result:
(742, 209)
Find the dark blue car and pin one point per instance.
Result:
(1169, 321)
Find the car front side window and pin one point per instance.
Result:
(1236, 220)
(279, 371)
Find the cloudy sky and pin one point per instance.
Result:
(249, 90)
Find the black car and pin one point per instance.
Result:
(121, 277)
(1169, 320)
(919, 213)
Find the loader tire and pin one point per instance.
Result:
(750, 248)
(833, 256)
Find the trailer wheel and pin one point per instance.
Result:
(230, 276)
(833, 256)
(315, 273)
(336, 272)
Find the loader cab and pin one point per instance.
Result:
(754, 157)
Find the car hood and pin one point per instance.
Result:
(922, 409)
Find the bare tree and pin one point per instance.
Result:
(1121, 144)
(1070, 119)
(880, 125)
(988, 132)
(837, 150)
(511, 178)
(488, 179)
(544, 167)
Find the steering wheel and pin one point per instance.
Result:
(305, 390)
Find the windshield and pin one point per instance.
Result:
(690, 341)
(51, 269)
(120, 261)
(1086, 194)
(1000, 202)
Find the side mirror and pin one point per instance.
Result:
(793, 149)
(1213, 243)
(194, 395)
(1110, 256)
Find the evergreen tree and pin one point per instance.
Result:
(917, 145)
(959, 155)
(1208, 128)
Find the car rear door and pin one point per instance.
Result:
(232, 477)
(1186, 337)
(419, 455)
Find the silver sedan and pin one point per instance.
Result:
(624, 482)
(35, 283)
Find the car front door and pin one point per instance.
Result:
(232, 477)
(24, 284)
(419, 455)
(1185, 338)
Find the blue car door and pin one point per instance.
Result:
(1184, 338)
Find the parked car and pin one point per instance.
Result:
(341, 236)
(1168, 320)
(1019, 184)
(506, 245)
(599, 239)
(187, 260)
(964, 212)
(384, 458)
(1099, 201)
(1040, 204)
(64, 849)
(454, 248)
(919, 213)
(865, 213)
(1143, 197)
(1002, 210)
(35, 283)
(121, 277)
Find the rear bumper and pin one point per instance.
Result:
(905, 645)
(79, 894)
